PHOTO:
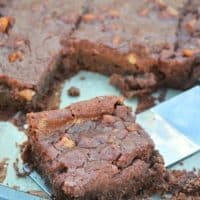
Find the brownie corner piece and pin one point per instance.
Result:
(93, 150)
(29, 56)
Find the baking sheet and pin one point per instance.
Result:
(93, 85)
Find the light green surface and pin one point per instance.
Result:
(10, 139)
(93, 85)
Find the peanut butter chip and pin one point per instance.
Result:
(17, 55)
(172, 11)
(4, 24)
(188, 53)
(27, 94)
(114, 13)
(108, 119)
(132, 127)
(160, 3)
(67, 142)
(131, 59)
(88, 17)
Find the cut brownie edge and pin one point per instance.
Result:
(55, 119)
(108, 61)
(93, 150)
(15, 95)
(132, 79)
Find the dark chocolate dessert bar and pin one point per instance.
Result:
(93, 150)
(30, 34)
(142, 45)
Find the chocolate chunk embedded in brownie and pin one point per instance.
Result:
(93, 150)
(30, 33)
(141, 44)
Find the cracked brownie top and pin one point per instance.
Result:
(91, 146)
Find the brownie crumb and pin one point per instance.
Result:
(181, 184)
(145, 102)
(82, 78)
(73, 92)
(181, 163)
(5, 22)
(162, 95)
(3, 170)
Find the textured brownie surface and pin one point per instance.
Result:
(30, 46)
(93, 150)
(142, 44)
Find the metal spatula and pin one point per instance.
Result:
(7, 193)
(175, 125)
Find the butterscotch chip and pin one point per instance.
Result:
(17, 55)
(188, 53)
(132, 59)
(27, 94)
(4, 24)
(132, 127)
(108, 118)
(172, 11)
(161, 4)
(114, 13)
(66, 142)
(116, 40)
(89, 17)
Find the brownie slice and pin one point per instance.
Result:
(140, 44)
(93, 150)
(30, 34)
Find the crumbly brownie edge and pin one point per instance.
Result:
(102, 59)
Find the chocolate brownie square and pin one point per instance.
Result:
(142, 45)
(93, 150)
(30, 33)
